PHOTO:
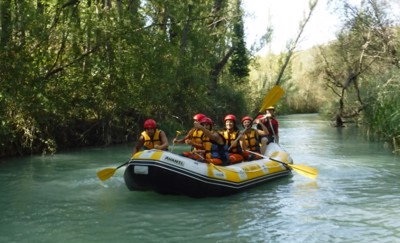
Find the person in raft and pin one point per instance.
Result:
(270, 121)
(193, 138)
(250, 138)
(215, 149)
(231, 134)
(151, 138)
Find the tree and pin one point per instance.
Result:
(92, 71)
(360, 50)
(239, 66)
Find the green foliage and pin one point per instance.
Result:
(81, 73)
(382, 116)
(240, 61)
(355, 77)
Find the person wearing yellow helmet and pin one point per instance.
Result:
(151, 138)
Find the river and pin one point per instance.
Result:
(355, 198)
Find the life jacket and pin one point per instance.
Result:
(197, 137)
(214, 150)
(230, 137)
(251, 140)
(149, 142)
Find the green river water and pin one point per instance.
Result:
(356, 197)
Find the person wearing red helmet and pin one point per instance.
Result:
(199, 116)
(193, 138)
(250, 138)
(215, 149)
(231, 132)
(151, 138)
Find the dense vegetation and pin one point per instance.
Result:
(354, 79)
(77, 73)
(88, 72)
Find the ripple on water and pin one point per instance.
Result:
(354, 199)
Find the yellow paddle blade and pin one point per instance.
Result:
(272, 97)
(304, 170)
(106, 173)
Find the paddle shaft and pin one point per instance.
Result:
(238, 138)
(122, 165)
(105, 174)
(173, 143)
(273, 131)
(304, 170)
(285, 164)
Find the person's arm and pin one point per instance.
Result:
(217, 138)
(190, 141)
(212, 135)
(264, 131)
(183, 140)
(178, 141)
(138, 145)
(164, 142)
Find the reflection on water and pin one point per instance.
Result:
(355, 198)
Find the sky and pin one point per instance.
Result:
(285, 16)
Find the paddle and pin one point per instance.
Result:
(108, 172)
(304, 170)
(273, 131)
(238, 138)
(271, 98)
(176, 136)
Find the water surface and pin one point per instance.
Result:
(356, 197)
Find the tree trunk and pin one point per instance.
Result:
(217, 70)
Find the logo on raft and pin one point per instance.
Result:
(175, 161)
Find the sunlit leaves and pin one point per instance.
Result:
(84, 73)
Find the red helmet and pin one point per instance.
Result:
(150, 123)
(247, 118)
(198, 117)
(230, 117)
(260, 117)
(206, 120)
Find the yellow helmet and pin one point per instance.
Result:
(270, 108)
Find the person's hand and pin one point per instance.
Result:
(197, 124)
(157, 147)
(188, 141)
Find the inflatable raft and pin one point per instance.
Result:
(168, 173)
